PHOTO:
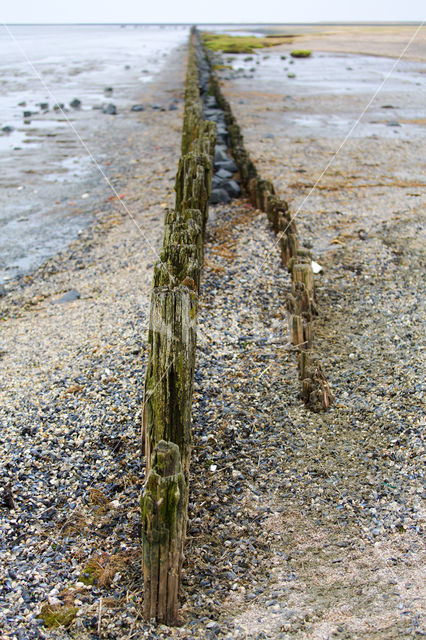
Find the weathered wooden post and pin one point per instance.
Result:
(163, 508)
(170, 372)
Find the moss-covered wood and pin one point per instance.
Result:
(170, 370)
(163, 508)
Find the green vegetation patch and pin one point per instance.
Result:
(301, 53)
(238, 44)
(57, 616)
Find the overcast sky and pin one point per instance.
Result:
(198, 11)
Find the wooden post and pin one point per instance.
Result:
(163, 508)
(170, 370)
(193, 183)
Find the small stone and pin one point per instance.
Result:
(233, 188)
(223, 174)
(70, 296)
(110, 109)
(172, 107)
(219, 196)
(137, 107)
(75, 104)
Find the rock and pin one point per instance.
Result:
(108, 90)
(216, 182)
(219, 196)
(127, 67)
(59, 106)
(172, 107)
(22, 104)
(44, 106)
(157, 107)
(137, 107)
(393, 123)
(75, 104)
(3, 291)
(291, 75)
(269, 136)
(210, 101)
(220, 154)
(28, 114)
(8, 129)
(110, 108)
(228, 165)
(232, 188)
(70, 296)
(223, 174)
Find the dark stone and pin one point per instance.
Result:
(127, 67)
(75, 104)
(220, 154)
(157, 107)
(223, 174)
(110, 108)
(216, 182)
(8, 129)
(269, 136)
(59, 106)
(228, 165)
(22, 104)
(44, 106)
(138, 107)
(219, 196)
(3, 291)
(393, 123)
(70, 296)
(108, 90)
(28, 114)
(210, 101)
(232, 188)
(172, 107)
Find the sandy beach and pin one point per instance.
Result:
(302, 526)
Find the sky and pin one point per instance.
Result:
(221, 11)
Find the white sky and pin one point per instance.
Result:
(198, 11)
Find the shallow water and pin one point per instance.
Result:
(43, 165)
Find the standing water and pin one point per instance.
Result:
(46, 174)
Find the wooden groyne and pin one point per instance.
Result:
(301, 303)
(172, 342)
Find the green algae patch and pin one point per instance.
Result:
(220, 67)
(57, 616)
(90, 575)
(238, 44)
(301, 53)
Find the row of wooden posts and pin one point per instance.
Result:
(170, 369)
(301, 302)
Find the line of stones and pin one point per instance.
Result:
(301, 303)
(172, 336)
